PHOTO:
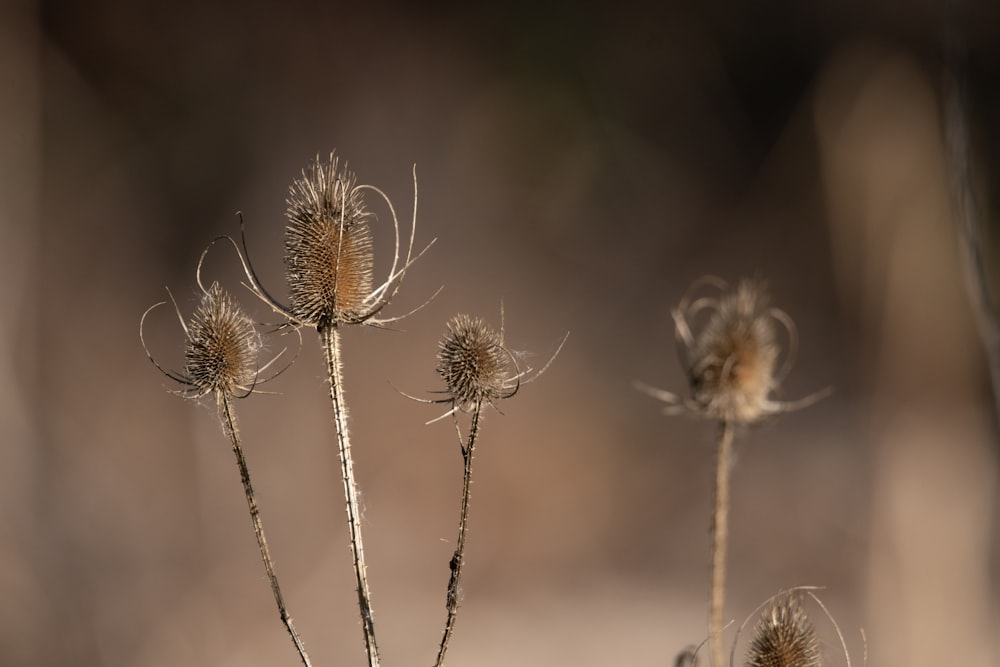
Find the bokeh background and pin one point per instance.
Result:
(580, 163)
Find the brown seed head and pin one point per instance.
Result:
(473, 361)
(221, 351)
(732, 361)
(328, 247)
(784, 637)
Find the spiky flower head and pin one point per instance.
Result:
(731, 362)
(731, 356)
(474, 363)
(222, 346)
(784, 636)
(329, 255)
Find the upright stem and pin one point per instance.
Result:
(458, 559)
(330, 337)
(720, 536)
(229, 419)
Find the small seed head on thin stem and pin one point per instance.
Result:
(784, 637)
(731, 357)
(473, 362)
(329, 256)
(732, 361)
(222, 346)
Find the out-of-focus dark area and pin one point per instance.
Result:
(580, 163)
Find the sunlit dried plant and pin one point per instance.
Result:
(478, 369)
(475, 365)
(731, 362)
(220, 358)
(329, 264)
(220, 350)
(784, 637)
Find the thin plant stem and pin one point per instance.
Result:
(720, 537)
(458, 559)
(330, 338)
(229, 419)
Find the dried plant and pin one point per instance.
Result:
(784, 637)
(731, 362)
(478, 370)
(728, 344)
(329, 262)
(220, 358)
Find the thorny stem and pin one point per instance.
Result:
(225, 406)
(330, 337)
(458, 559)
(720, 536)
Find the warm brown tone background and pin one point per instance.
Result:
(581, 162)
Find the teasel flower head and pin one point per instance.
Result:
(474, 364)
(731, 362)
(329, 251)
(221, 347)
(328, 247)
(784, 636)
(477, 366)
(731, 359)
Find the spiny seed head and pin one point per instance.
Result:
(784, 637)
(473, 361)
(222, 346)
(329, 255)
(732, 360)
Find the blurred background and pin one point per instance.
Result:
(580, 163)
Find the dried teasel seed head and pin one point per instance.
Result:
(473, 362)
(731, 357)
(222, 346)
(732, 360)
(329, 255)
(784, 636)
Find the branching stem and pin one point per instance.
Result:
(458, 559)
(720, 537)
(229, 421)
(330, 338)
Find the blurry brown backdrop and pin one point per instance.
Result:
(581, 163)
